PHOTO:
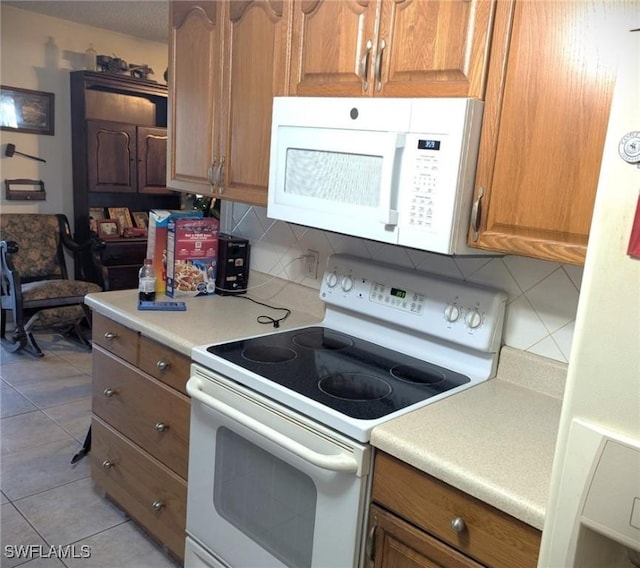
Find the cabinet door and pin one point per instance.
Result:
(194, 79)
(255, 70)
(547, 106)
(394, 543)
(433, 48)
(329, 50)
(111, 156)
(152, 160)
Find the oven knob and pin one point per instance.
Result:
(474, 319)
(332, 279)
(347, 283)
(452, 313)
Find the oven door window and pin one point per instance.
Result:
(265, 498)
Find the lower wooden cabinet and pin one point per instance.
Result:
(153, 495)
(418, 521)
(140, 429)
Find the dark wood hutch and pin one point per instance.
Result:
(119, 145)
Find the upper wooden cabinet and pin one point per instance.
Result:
(220, 103)
(126, 158)
(546, 113)
(254, 71)
(195, 47)
(392, 48)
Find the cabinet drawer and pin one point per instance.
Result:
(124, 252)
(114, 337)
(166, 365)
(122, 277)
(151, 414)
(151, 494)
(489, 535)
(398, 543)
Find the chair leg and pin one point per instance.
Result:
(32, 346)
(75, 332)
(18, 339)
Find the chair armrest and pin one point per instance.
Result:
(10, 277)
(67, 239)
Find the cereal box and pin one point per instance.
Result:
(192, 256)
(157, 241)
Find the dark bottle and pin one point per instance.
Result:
(147, 282)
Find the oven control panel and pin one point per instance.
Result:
(422, 303)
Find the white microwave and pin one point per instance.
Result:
(399, 171)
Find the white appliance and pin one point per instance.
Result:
(399, 171)
(593, 514)
(279, 460)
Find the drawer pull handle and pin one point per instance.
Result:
(476, 214)
(109, 335)
(161, 427)
(370, 546)
(162, 365)
(106, 464)
(458, 524)
(157, 505)
(108, 392)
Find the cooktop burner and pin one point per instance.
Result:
(352, 376)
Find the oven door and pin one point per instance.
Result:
(268, 488)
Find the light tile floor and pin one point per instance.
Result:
(45, 501)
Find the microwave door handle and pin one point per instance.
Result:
(388, 213)
(337, 462)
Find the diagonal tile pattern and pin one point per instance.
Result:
(51, 514)
(543, 296)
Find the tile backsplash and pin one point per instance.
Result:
(542, 296)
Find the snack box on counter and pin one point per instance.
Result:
(157, 241)
(192, 256)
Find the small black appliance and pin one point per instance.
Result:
(232, 275)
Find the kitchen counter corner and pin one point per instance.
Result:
(494, 441)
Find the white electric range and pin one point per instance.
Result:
(279, 468)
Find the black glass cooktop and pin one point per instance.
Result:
(355, 377)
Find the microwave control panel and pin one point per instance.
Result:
(425, 183)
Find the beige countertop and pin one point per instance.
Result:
(494, 441)
(213, 319)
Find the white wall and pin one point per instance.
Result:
(37, 52)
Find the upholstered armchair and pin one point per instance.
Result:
(36, 289)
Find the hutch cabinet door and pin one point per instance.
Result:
(152, 160)
(433, 48)
(332, 47)
(547, 106)
(111, 156)
(255, 70)
(195, 46)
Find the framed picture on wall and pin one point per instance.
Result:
(23, 110)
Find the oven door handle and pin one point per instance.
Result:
(336, 462)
